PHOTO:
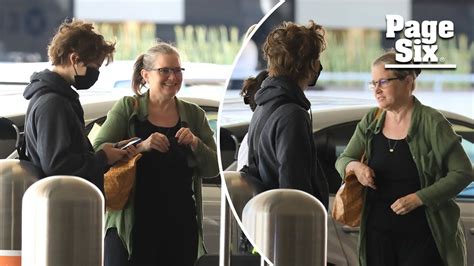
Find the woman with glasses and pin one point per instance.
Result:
(161, 223)
(416, 167)
(281, 151)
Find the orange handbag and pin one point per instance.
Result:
(118, 183)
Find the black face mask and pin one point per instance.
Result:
(312, 83)
(86, 81)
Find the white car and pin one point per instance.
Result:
(332, 129)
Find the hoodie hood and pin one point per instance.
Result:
(49, 81)
(281, 88)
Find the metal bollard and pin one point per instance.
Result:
(62, 223)
(15, 178)
(289, 227)
(240, 190)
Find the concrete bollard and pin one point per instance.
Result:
(63, 223)
(15, 178)
(289, 227)
(240, 189)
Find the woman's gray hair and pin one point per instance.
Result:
(389, 58)
(146, 61)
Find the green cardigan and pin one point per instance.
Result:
(444, 170)
(120, 125)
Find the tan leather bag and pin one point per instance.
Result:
(348, 202)
(119, 182)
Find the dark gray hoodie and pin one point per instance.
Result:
(281, 140)
(55, 134)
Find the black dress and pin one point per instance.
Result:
(165, 230)
(396, 239)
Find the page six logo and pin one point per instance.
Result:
(418, 45)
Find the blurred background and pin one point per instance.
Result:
(204, 30)
(210, 35)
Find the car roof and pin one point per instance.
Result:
(99, 105)
(330, 115)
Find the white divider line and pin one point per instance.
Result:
(10, 252)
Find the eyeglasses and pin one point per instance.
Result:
(166, 71)
(382, 82)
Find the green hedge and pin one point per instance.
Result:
(354, 51)
(347, 50)
(203, 44)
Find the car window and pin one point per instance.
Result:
(211, 115)
(123, 84)
(466, 131)
(212, 119)
(8, 137)
(468, 145)
(467, 134)
(332, 141)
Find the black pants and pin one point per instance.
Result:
(388, 248)
(148, 254)
(115, 253)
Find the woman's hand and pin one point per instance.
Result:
(155, 141)
(365, 175)
(406, 204)
(186, 137)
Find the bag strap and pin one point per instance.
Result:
(362, 158)
(21, 148)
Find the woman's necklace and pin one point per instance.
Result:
(390, 148)
(395, 141)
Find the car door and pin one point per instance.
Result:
(465, 199)
(342, 240)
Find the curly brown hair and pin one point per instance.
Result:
(293, 50)
(79, 37)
